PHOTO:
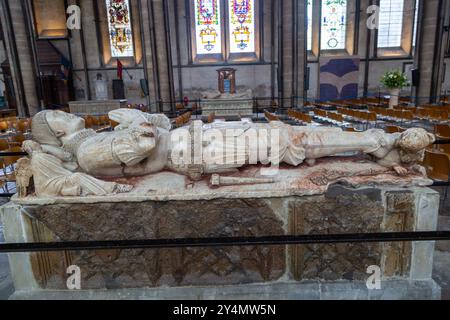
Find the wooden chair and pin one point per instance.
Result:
(3, 126)
(437, 165)
(96, 122)
(445, 148)
(89, 121)
(372, 117)
(442, 130)
(307, 118)
(113, 123)
(271, 117)
(407, 115)
(104, 120)
(17, 140)
(24, 126)
(4, 145)
(179, 122)
(211, 118)
(393, 129)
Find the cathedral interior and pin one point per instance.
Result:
(305, 63)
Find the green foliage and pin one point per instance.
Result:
(394, 80)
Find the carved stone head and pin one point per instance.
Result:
(415, 140)
(49, 126)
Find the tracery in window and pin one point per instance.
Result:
(391, 23)
(334, 24)
(120, 30)
(208, 27)
(241, 15)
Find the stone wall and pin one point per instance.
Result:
(340, 210)
(165, 55)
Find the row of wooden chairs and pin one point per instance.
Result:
(445, 107)
(394, 129)
(444, 148)
(359, 115)
(432, 114)
(12, 141)
(328, 116)
(15, 124)
(95, 122)
(395, 114)
(299, 116)
(437, 165)
(442, 131)
(271, 117)
(320, 113)
(335, 117)
(183, 119)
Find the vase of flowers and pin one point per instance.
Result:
(394, 81)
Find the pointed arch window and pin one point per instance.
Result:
(225, 29)
(241, 26)
(309, 9)
(120, 28)
(208, 26)
(334, 24)
(391, 23)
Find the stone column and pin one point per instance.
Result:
(20, 57)
(148, 49)
(429, 56)
(159, 49)
(292, 40)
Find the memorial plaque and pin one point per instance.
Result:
(227, 80)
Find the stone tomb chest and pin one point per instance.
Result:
(339, 210)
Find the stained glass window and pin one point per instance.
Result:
(334, 24)
(309, 25)
(242, 26)
(391, 23)
(208, 27)
(120, 31)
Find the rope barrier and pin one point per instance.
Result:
(225, 242)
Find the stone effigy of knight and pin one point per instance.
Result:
(67, 159)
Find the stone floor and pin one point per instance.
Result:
(441, 273)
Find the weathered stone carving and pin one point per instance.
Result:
(52, 179)
(144, 144)
(161, 267)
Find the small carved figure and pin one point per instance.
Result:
(23, 176)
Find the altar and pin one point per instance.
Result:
(226, 102)
(227, 107)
